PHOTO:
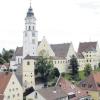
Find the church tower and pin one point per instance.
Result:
(30, 38)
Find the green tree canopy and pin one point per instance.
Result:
(87, 70)
(44, 66)
(7, 55)
(73, 67)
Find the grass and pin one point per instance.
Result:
(81, 75)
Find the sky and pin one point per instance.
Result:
(60, 21)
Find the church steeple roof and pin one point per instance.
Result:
(30, 12)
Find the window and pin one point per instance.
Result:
(36, 95)
(33, 27)
(83, 85)
(58, 62)
(90, 85)
(29, 28)
(18, 94)
(13, 96)
(12, 82)
(33, 34)
(33, 41)
(25, 34)
(28, 63)
(8, 97)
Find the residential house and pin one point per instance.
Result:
(73, 92)
(92, 85)
(10, 88)
(49, 93)
(88, 53)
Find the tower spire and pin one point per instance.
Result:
(30, 3)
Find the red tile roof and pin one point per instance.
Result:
(92, 82)
(68, 87)
(1, 97)
(4, 79)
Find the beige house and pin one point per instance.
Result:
(88, 53)
(10, 88)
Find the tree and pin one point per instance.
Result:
(87, 70)
(56, 72)
(99, 64)
(7, 54)
(74, 68)
(44, 66)
(2, 60)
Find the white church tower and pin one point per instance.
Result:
(30, 37)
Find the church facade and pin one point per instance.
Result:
(32, 48)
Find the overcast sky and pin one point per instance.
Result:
(60, 21)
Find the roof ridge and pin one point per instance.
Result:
(94, 80)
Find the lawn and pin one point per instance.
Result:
(81, 75)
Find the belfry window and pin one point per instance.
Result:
(33, 27)
(29, 28)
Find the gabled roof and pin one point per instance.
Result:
(87, 46)
(92, 82)
(7, 65)
(19, 51)
(31, 57)
(52, 93)
(4, 80)
(70, 88)
(60, 50)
